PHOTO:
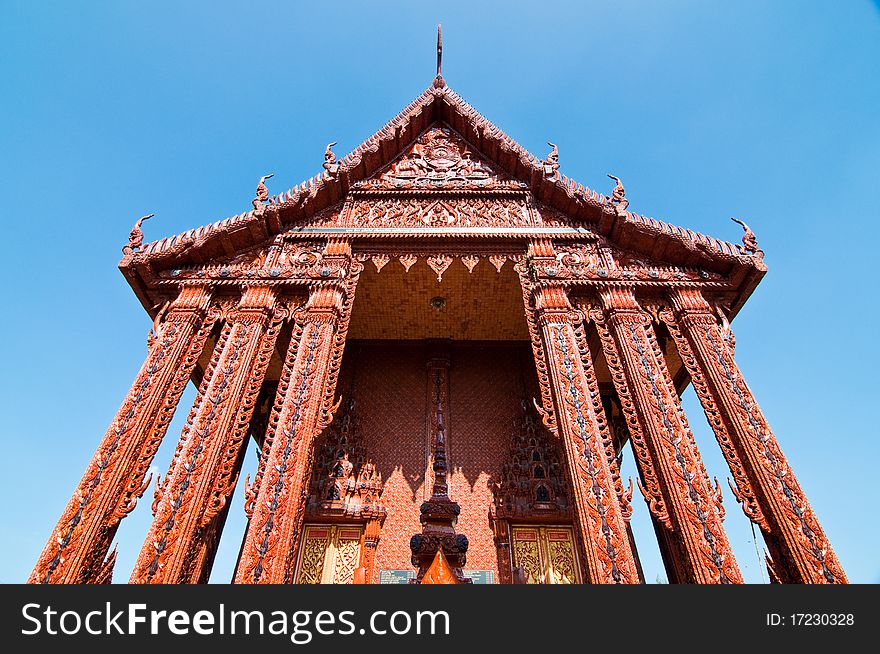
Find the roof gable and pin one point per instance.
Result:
(439, 159)
(439, 143)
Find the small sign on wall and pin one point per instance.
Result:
(480, 576)
(403, 576)
(396, 576)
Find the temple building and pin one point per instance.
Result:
(441, 346)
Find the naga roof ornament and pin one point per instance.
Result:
(750, 241)
(136, 237)
(262, 192)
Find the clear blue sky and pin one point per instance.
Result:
(767, 111)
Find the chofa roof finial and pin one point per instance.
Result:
(330, 163)
(262, 193)
(136, 237)
(551, 163)
(618, 197)
(750, 241)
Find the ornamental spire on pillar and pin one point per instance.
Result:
(438, 544)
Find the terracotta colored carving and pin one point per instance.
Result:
(262, 192)
(605, 314)
(551, 163)
(618, 196)
(750, 241)
(330, 164)
(136, 237)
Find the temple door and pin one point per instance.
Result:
(330, 554)
(546, 554)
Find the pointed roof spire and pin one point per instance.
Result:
(438, 80)
(439, 51)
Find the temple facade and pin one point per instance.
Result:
(441, 346)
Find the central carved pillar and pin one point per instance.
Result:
(676, 484)
(304, 406)
(767, 488)
(439, 514)
(205, 467)
(561, 368)
(114, 480)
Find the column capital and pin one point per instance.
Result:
(326, 302)
(619, 304)
(552, 304)
(338, 247)
(192, 303)
(541, 247)
(686, 300)
(619, 298)
(257, 304)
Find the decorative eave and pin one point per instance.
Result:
(652, 237)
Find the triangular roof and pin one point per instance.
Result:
(439, 103)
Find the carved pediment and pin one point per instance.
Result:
(439, 159)
(281, 259)
(419, 176)
(410, 212)
(598, 259)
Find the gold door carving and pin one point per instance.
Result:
(329, 554)
(546, 554)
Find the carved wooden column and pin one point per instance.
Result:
(767, 488)
(202, 475)
(501, 537)
(367, 563)
(562, 371)
(114, 479)
(304, 406)
(676, 485)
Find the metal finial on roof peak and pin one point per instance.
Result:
(438, 79)
(439, 51)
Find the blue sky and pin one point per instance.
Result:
(766, 111)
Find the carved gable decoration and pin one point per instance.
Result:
(244, 265)
(439, 159)
(532, 483)
(598, 259)
(413, 211)
(345, 482)
(280, 260)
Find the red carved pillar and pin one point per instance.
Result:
(676, 485)
(501, 536)
(114, 480)
(367, 564)
(304, 406)
(179, 545)
(562, 369)
(768, 490)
